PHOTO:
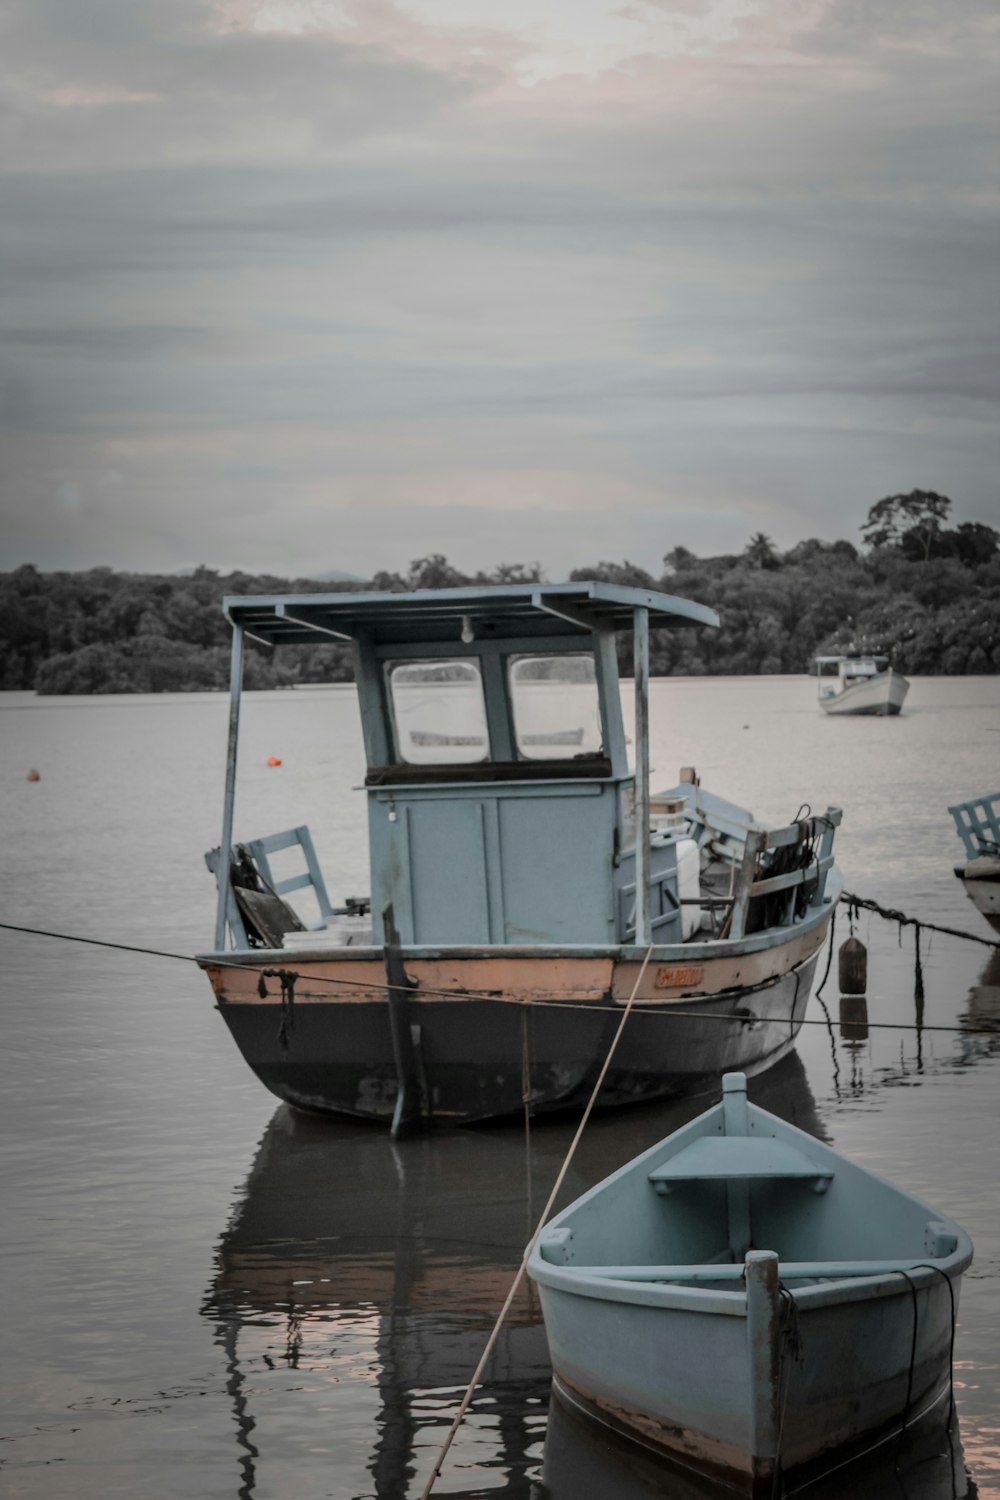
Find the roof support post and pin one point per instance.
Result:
(640, 629)
(225, 852)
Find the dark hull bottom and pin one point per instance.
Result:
(875, 711)
(477, 1059)
(869, 1469)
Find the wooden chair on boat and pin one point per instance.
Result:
(264, 910)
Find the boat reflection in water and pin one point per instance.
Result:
(358, 1280)
(864, 1061)
(981, 1018)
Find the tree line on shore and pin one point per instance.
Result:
(924, 593)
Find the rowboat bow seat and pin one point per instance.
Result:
(739, 1158)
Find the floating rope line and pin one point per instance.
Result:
(519, 1277)
(492, 996)
(859, 903)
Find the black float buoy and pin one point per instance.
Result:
(853, 967)
(853, 1018)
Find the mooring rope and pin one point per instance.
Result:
(860, 903)
(494, 997)
(519, 1277)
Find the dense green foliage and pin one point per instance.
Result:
(927, 595)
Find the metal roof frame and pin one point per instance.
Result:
(537, 609)
(852, 656)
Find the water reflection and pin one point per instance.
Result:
(357, 1283)
(981, 1017)
(863, 1057)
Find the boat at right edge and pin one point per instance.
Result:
(750, 1303)
(977, 823)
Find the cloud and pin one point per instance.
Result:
(427, 277)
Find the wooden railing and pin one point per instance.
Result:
(750, 883)
(978, 824)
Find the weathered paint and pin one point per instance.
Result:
(711, 1457)
(339, 1055)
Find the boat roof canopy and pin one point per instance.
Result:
(504, 611)
(852, 656)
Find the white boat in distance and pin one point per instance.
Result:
(748, 1302)
(859, 685)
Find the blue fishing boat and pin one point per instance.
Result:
(526, 884)
(977, 823)
(749, 1302)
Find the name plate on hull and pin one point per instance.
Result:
(675, 976)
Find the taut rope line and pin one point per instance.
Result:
(675, 1011)
(519, 1277)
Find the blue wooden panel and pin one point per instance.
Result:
(388, 838)
(503, 863)
(448, 872)
(556, 868)
(664, 908)
(735, 1157)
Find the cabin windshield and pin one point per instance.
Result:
(861, 667)
(555, 706)
(438, 711)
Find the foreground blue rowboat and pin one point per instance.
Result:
(750, 1302)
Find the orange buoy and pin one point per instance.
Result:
(33, 775)
(274, 760)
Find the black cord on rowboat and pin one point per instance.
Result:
(284, 975)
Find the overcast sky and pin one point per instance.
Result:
(332, 284)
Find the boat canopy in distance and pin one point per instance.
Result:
(855, 656)
(504, 611)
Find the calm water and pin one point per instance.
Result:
(207, 1296)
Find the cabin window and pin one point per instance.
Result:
(554, 700)
(438, 711)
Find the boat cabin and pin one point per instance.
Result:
(501, 806)
(835, 673)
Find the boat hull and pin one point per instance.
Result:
(492, 1031)
(653, 1374)
(829, 1429)
(587, 1457)
(981, 878)
(882, 695)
